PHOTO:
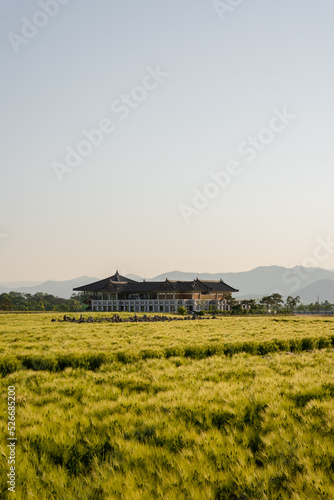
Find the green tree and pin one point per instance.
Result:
(277, 300)
(251, 305)
(5, 303)
(291, 303)
(267, 301)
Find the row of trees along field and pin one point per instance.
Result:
(269, 304)
(16, 301)
(275, 304)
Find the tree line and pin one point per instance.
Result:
(275, 303)
(16, 301)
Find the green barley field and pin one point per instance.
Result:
(231, 408)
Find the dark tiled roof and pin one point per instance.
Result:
(123, 279)
(182, 286)
(140, 287)
(109, 284)
(121, 284)
(218, 286)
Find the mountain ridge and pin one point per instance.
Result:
(260, 281)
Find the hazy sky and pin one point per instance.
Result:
(184, 91)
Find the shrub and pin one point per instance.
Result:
(182, 310)
(200, 313)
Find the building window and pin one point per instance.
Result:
(172, 308)
(150, 308)
(161, 309)
(142, 308)
(132, 309)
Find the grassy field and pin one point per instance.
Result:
(233, 408)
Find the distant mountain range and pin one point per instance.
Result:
(62, 289)
(308, 283)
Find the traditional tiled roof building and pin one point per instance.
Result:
(118, 293)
